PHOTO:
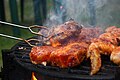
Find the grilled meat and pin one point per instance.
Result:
(106, 44)
(87, 34)
(40, 54)
(64, 56)
(71, 43)
(64, 32)
(69, 56)
(94, 51)
(115, 56)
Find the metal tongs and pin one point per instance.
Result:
(24, 27)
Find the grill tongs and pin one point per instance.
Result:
(24, 27)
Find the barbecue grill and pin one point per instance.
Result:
(17, 66)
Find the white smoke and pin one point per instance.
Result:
(79, 10)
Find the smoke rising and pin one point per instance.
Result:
(101, 13)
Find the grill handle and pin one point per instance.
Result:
(29, 28)
(21, 39)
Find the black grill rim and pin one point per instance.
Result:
(58, 72)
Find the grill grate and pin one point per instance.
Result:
(21, 55)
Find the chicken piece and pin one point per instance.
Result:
(115, 56)
(109, 38)
(64, 32)
(94, 51)
(61, 34)
(69, 56)
(95, 58)
(105, 44)
(40, 54)
(64, 56)
(113, 30)
(87, 34)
